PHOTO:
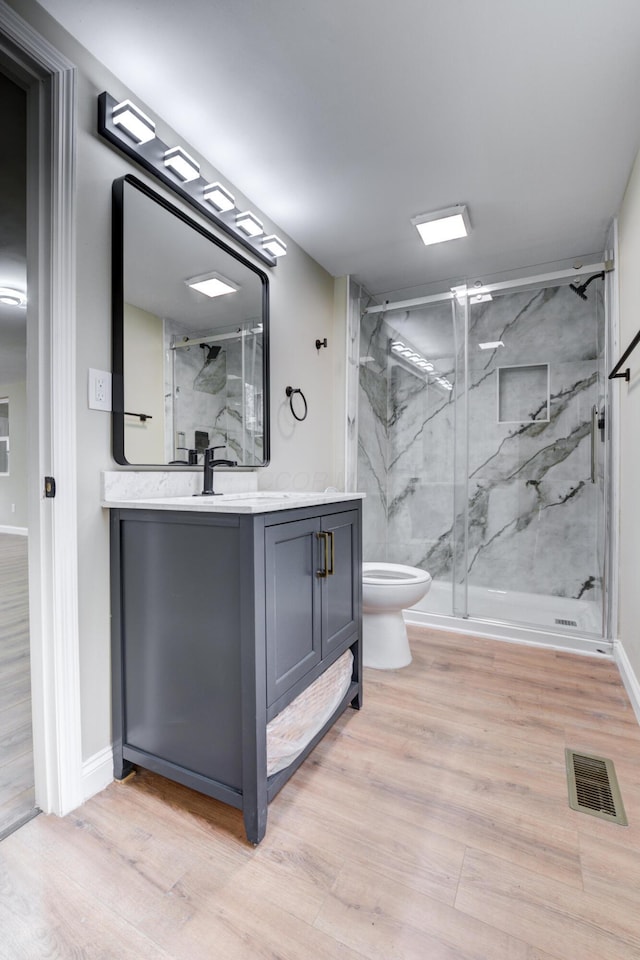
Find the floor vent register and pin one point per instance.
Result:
(593, 787)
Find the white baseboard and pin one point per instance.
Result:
(630, 680)
(16, 531)
(97, 773)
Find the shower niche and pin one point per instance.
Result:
(523, 393)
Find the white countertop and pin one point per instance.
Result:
(257, 501)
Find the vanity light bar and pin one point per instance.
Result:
(424, 365)
(220, 198)
(126, 127)
(182, 164)
(249, 224)
(398, 347)
(134, 122)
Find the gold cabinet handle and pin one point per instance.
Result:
(324, 572)
(332, 570)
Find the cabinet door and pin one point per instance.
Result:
(341, 588)
(292, 603)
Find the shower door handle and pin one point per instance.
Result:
(594, 429)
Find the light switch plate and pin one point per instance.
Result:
(99, 389)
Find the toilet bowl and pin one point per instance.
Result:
(387, 590)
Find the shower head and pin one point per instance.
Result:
(581, 289)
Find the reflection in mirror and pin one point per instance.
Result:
(190, 339)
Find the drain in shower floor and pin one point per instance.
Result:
(593, 787)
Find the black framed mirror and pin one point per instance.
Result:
(190, 338)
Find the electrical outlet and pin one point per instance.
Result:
(99, 390)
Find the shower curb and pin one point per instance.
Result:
(546, 640)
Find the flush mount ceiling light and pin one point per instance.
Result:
(441, 225)
(134, 122)
(12, 297)
(219, 197)
(212, 285)
(128, 129)
(274, 245)
(182, 164)
(249, 224)
(491, 344)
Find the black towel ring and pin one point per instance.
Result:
(290, 392)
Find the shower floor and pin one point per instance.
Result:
(523, 617)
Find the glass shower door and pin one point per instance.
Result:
(535, 503)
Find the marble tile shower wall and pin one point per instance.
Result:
(208, 393)
(405, 452)
(533, 512)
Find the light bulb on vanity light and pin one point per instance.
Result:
(182, 164)
(133, 121)
(219, 197)
(249, 224)
(274, 245)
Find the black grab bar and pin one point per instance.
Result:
(626, 374)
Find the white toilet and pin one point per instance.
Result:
(387, 590)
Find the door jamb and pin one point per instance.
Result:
(51, 360)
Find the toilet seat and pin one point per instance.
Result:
(385, 574)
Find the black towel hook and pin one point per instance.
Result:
(290, 391)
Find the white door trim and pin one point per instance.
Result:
(51, 385)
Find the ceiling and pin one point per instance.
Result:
(341, 119)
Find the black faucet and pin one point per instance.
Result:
(209, 464)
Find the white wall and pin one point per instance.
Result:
(144, 349)
(629, 300)
(13, 489)
(303, 455)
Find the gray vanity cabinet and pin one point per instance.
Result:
(312, 591)
(219, 621)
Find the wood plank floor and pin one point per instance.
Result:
(16, 741)
(431, 825)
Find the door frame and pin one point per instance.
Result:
(50, 81)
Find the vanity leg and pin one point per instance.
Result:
(121, 768)
(255, 822)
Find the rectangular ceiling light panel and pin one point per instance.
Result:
(212, 285)
(441, 225)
